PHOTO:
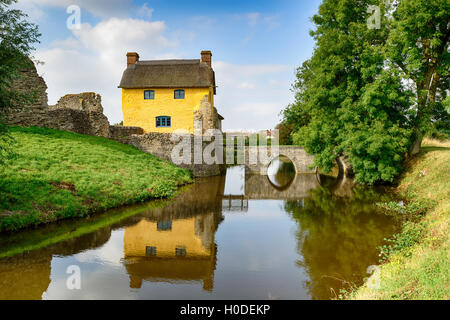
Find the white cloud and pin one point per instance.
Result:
(34, 12)
(94, 58)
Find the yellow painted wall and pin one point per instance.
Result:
(145, 233)
(142, 113)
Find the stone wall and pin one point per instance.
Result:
(86, 101)
(117, 132)
(31, 83)
(80, 113)
(91, 123)
(207, 116)
(161, 146)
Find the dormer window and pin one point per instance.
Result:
(179, 94)
(149, 94)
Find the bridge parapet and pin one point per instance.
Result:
(258, 159)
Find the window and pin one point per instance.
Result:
(150, 251)
(179, 94)
(149, 94)
(180, 251)
(163, 122)
(164, 225)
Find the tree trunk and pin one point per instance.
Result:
(415, 147)
(345, 168)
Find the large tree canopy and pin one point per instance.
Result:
(357, 92)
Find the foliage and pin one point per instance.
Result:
(285, 130)
(403, 241)
(416, 259)
(411, 209)
(56, 174)
(418, 46)
(354, 92)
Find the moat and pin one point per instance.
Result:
(282, 236)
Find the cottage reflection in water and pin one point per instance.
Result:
(176, 244)
(183, 252)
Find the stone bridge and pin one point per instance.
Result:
(258, 159)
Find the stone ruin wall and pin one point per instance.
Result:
(207, 115)
(80, 113)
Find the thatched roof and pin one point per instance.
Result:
(168, 74)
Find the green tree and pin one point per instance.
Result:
(356, 97)
(418, 45)
(17, 37)
(356, 107)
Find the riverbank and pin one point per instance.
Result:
(56, 175)
(417, 260)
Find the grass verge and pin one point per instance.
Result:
(54, 175)
(417, 262)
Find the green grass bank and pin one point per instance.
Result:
(54, 175)
(417, 261)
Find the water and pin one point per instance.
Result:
(282, 236)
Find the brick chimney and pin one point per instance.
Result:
(132, 58)
(206, 57)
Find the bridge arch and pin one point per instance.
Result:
(280, 172)
(299, 157)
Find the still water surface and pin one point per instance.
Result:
(282, 236)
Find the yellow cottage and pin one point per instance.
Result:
(166, 95)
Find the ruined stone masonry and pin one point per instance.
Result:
(81, 113)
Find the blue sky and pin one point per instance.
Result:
(256, 47)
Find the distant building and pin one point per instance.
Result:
(166, 95)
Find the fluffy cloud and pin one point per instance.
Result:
(94, 58)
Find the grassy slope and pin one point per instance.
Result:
(56, 174)
(420, 267)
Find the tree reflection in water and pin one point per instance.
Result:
(338, 237)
